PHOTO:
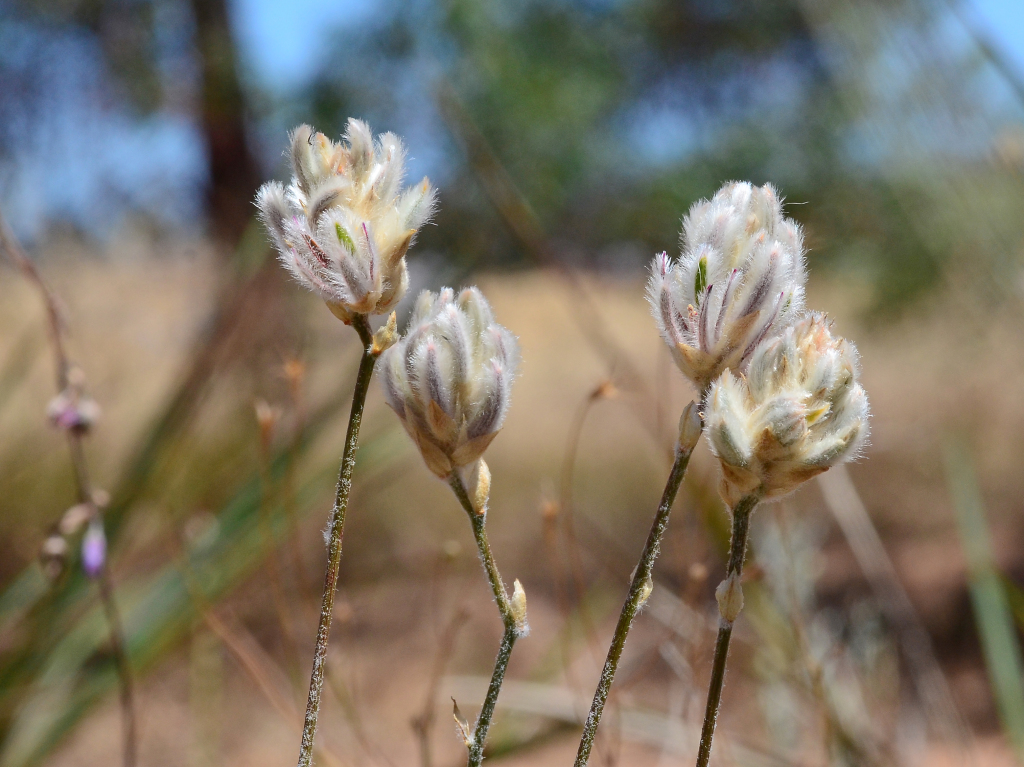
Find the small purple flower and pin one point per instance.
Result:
(94, 548)
(73, 411)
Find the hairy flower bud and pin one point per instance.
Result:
(385, 336)
(739, 279)
(518, 605)
(344, 224)
(729, 595)
(449, 378)
(477, 479)
(798, 411)
(646, 592)
(690, 427)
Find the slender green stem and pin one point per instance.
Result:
(337, 526)
(479, 523)
(737, 553)
(632, 605)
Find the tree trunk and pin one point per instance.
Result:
(233, 173)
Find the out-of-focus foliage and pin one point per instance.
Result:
(894, 123)
(579, 130)
(607, 118)
(989, 597)
(611, 118)
(127, 34)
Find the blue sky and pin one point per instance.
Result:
(1003, 20)
(280, 40)
(157, 165)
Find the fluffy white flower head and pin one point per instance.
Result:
(344, 224)
(798, 411)
(739, 279)
(450, 377)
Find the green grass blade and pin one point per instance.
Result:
(159, 611)
(992, 610)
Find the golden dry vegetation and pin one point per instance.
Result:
(228, 688)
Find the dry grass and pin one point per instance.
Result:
(409, 563)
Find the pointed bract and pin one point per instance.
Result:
(344, 224)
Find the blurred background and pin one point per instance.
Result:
(567, 138)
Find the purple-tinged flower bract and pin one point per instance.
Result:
(449, 378)
(344, 224)
(73, 410)
(739, 279)
(94, 548)
(53, 555)
(797, 411)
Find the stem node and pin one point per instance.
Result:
(730, 602)
(510, 611)
(638, 593)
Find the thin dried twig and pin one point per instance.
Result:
(267, 418)
(423, 723)
(350, 709)
(566, 509)
(522, 221)
(844, 502)
(83, 483)
(638, 725)
(833, 730)
(256, 664)
(566, 515)
(261, 669)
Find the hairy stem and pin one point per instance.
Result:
(337, 526)
(479, 522)
(737, 553)
(632, 605)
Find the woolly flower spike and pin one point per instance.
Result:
(450, 378)
(344, 224)
(739, 279)
(797, 412)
